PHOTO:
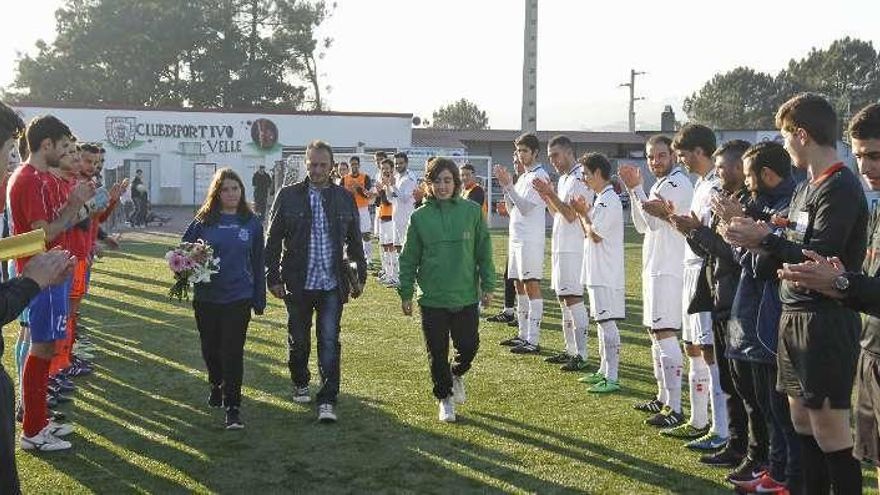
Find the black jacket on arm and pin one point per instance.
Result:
(289, 233)
(15, 295)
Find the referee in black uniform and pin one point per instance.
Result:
(818, 337)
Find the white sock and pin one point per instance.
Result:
(658, 371)
(568, 329)
(670, 359)
(698, 380)
(600, 338)
(385, 269)
(368, 251)
(522, 315)
(395, 264)
(536, 314)
(611, 356)
(508, 311)
(581, 328)
(718, 399)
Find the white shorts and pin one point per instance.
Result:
(696, 328)
(400, 231)
(606, 303)
(661, 302)
(366, 221)
(565, 273)
(525, 261)
(386, 232)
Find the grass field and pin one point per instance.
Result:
(142, 425)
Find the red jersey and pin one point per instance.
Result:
(35, 196)
(79, 241)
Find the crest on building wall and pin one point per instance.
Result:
(121, 131)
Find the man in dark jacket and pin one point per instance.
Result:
(262, 183)
(311, 224)
(717, 287)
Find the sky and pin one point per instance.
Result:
(413, 56)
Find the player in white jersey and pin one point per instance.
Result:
(402, 193)
(567, 251)
(662, 271)
(385, 216)
(694, 145)
(525, 257)
(603, 270)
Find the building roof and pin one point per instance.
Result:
(495, 135)
(266, 111)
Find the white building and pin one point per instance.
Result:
(180, 149)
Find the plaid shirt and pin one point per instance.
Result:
(319, 274)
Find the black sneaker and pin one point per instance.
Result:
(502, 317)
(57, 416)
(513, 324)
(666, 418)
(726, 457)
(215, 399)
(652, 406)
(574, 363)
(526, 348)
(233, 419)
(560, 358)
(748, 471)
(513, 342)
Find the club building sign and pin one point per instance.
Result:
(179, 150)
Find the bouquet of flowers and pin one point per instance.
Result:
(191, 263)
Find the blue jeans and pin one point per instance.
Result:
(328, 307)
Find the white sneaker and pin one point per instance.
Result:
(301, 395)
(458, 395)
(326, 414)
(44, 441)
(447, 410)
(59, 429)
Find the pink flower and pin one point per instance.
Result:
(177, 262)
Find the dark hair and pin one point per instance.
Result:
(865, 124)
(812, 113)
(320, 145)
(11, 125)
(595, 161)
(209, 213)
(387, 161)
(528, 140)
(355, 159)
(138, 171)
(90, 147)
(432, 171)
(380, 154)
(402, 155)
(769, 154)
(693, 136)
(46, 127)
(659, 139)
(560, 141)
(732, 150)
(468, 166)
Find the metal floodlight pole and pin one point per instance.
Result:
(632, 97)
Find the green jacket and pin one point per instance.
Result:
(448, 252)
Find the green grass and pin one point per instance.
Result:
(142, 425)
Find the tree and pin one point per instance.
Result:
(847, 73)
(739, 99)
(199, 53)
(462, 114)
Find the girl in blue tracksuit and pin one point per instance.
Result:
(223, 306)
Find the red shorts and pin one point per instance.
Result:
(78, 285)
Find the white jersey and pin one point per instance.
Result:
(527, 226)
(701, 206)
(568, 237)
(603, 260)
(402, 197)
(663, 247)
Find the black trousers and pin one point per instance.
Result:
(222, 331)
(759, 419)
(785, 446)
(438, 326)
(8, 473)
(509, 290)
(736, 410)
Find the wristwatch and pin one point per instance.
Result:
(841, 283)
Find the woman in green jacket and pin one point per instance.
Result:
(448, 253)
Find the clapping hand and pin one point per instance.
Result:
(630, 175)
(816, 273)
(580, 206)
(745, 232)
(544, 187)
(660, 207)
(726, 208)
(685, 223)
(502, 175)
